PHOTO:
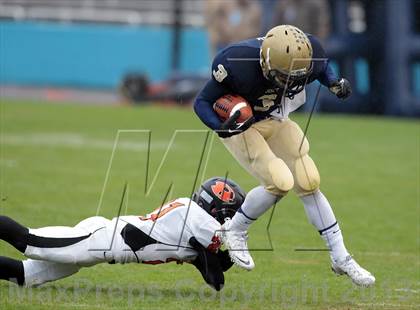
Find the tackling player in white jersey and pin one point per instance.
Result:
(183, 230)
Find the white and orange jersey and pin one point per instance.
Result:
(164, 234)
(159, 237)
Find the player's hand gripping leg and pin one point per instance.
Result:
(209, 265)
(234, 232)
(236, 243)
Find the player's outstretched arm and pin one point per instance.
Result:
(209, 265)
(224, 259)
(338, 86)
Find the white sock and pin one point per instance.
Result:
(256, 203)
(321, 215)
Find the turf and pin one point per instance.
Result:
(56, 169)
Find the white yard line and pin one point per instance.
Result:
(388, 254)
(409, 290)
(76, 141)
(10, 163)
(389, 305)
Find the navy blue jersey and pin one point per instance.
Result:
(236, 70)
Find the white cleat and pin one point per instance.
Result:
(352, 269)
(236, 243)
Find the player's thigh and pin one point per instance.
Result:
(251, 150)
(289, 143)
(91, 224)
(39, 272)
(68, 245)
(288, 140)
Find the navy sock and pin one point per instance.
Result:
(12, 270)
(13, 233)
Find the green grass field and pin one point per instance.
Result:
(56, 169)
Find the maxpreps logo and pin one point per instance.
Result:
(223, 191)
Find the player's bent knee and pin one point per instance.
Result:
(306, 175)
(281, 176)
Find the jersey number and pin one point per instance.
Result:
(158, 213)
(220, 74)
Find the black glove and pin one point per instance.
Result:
(224, 259)
(209, 265)
(341, 88)
(230, 127)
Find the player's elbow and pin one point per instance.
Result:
(205, 113)
(199, 106)
(199, 109)
(196, 105)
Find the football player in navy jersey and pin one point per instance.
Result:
(271, 74)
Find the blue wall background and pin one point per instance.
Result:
(90, 55)
(96, 55)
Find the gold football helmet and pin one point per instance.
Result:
(286, 58)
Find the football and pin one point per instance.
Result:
(227, 105)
